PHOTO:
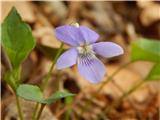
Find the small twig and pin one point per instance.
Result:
(61, 112)
(117, 102)
(111, 76)
(104, 83)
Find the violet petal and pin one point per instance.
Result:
(67, 59)
(91, 69)
(107, 49)
(89, 35)
(69, 34)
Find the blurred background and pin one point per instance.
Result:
(119, 22)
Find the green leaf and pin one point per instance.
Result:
(16, 72)
(145, 49)
(48, 51)
(17, 38)
(56, 96)
(154, 74)
(33, 93)
(30, 92)
(13, 77)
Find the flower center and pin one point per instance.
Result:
(85, 49)
(85, 54)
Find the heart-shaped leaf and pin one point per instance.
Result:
(145, 49)
(154, 74)
(17, 39)
(33, 93)
(30, 92)
(56, 96)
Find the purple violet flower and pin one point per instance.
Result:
(84, 50)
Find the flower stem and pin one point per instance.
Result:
(117, 102)
(35, 110)
(46, 80)
(19, 108)
(40, 111)
(12, 83)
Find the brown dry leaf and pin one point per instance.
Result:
(82, 110)
(73, 11)
(44, 32)
(141, 67)
(150, 12)
(56, 8)
(53, 11)
(112, 23)
(45, 36)
(10, 109)
(131, 32)
(142, 94)
(124, 79)
(24, 8)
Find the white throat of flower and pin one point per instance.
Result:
(85, 51)
(75, 25)
(85, 54)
